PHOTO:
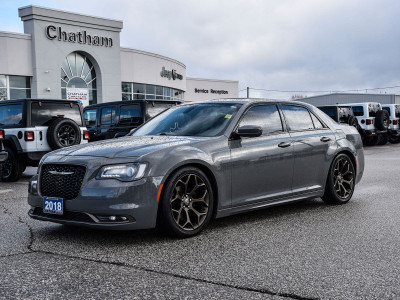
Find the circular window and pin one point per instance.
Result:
(78, 79)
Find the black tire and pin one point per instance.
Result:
(370, 140)
(382, 120)
(394, 139)
(341, 181)
(178, 197)
(383, 139)
(353, 122)
(63, 133)
(11, 169)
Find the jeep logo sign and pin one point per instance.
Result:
(170, 74)
(52, 32)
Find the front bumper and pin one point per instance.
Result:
(133, 204)
(3, 156)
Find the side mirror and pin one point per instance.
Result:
(120, 134)
(249, 131)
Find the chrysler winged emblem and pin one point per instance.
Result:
(60, 173)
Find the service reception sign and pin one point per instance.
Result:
(81, 95)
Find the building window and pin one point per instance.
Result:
(135, 91)
(15, 87)
(78, 76)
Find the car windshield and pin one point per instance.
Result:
(204, 119)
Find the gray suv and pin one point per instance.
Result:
(200, 161)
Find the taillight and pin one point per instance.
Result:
(29, 136)
(395, 122)
(86, 135)
(2, 135)
(368, 121)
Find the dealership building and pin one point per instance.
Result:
(73, 56)
(343, 98)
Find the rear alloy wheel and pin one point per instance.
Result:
(187, 203)
(341, 181)
(11, 169)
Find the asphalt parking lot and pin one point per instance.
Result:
(306, 250)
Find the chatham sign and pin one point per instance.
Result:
(81, 37)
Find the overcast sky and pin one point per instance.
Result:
(284, 44)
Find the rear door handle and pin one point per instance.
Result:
(284, 144)
(325, 139)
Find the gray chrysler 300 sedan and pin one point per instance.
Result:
(198, 161)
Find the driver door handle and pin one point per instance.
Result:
(284, 145)
(325, 139)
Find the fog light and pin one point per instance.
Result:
(112, 218)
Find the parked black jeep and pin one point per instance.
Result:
(341, 113)
(114, 119)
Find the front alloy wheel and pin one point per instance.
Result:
(341, 181)
(187, 203)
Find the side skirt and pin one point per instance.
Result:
(260, 205)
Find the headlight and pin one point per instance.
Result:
(125, 172)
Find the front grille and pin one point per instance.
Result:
(66, 183)
(67, 216)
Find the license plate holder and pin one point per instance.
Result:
(52, 205)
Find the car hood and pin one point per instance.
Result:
(131, 146)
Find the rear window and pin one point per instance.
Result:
(90, 117)
(298, 118)
(154, 108)
(11, 115)
(130, 114)
(358, 111)
(43, 113)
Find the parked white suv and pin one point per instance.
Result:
(394, 127)
(373, 122)
(34, 127)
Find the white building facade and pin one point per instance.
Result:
(73, 56)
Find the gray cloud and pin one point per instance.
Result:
(286, 44)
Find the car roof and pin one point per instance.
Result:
(249, 101)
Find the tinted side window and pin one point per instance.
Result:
(298, 118)
(265, 116)
(317, 123)
(11, 115)
(107, 115)
(330, 111)
(130, 114)
(358, 111)
(44, 114)
(90, 117)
